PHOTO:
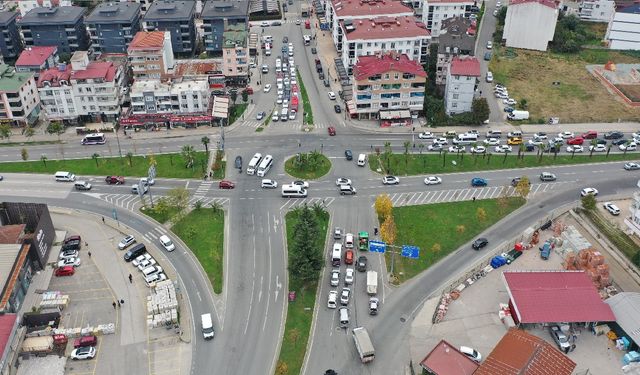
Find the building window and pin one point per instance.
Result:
(454, 105)
(386, 76)
(456, 96)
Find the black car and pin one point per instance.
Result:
(135, 252)
(326, 83)
(337, 108)
(276, 23)
(314, 50)
(517, 180)
(348, 154)
(618, 142)
(613, 135)
(321, 76)
(239, 162)
(480, 243)
(601, 141)
(361, 264)
(530, 147)
(285, 40)
(72, 245)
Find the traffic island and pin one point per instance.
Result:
(306, 104)
(307, 166)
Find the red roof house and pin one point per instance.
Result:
(36, 57)
(446, 359)
(369, 8)
(372, 65)
(554, 296)
(465, 66)
(384, 27)
(147, 40)
(7, 329)
(12, 234)
(521, 353)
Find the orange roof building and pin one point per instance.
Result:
(151, 55)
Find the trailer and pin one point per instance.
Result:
(363, 344)
(40, 344)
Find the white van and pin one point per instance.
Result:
(466, 139)
(362, 160)
(347, 190)
(265, 166)
(65, 176)
(151, 271)
(253, 164)
(494, 134)
(344, 317)
(293, 191)
(267, 49)
(284, 115)
(336, 254)
(348, 243)
(207, 326)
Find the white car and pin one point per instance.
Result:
(492, 142)
(126, 242)
(148, 181)
(509, 101)
(279, 100)
(435, 147)
(390, 180)
(612, 208)
(275, 116)
(348, 276)
(146, 263)
(66, 254)
(503, 148)
(268, 184)
(457, 148)
(425, 135)
(332, 302)
(536, 142)
(166, 243)
(542, 136)
(141, 258)
(478, 150)
(264, 24)
(335, 277)
(598, 148)
(558, 140)
(489, 44)
(432, 180)
(589, 191)
(69, 262)
(344, 296)
(304, 184)
(267, 87)
(566, 135)
(471, 353)
(84, 352)
(630, 147)
(298, 22)
(332, 95)
(501, 95)
(631, 166)
(343, 181)
(575, 149)
(441, 141)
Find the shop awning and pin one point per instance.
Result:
(395, 114)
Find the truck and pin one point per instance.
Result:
(363, 344)
(39, 344)
(545, 250)
(518, 115)
(363, 241)
(372, 283)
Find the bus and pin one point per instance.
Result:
(293, 191)
(253, 164)
(265, 165)
(94, 139)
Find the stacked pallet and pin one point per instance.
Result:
(162, 305)
(101, 329)
(572, 240)
(54, 300)
(592, 262)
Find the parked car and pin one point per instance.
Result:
(503, 148)
(332, 95)
(85, 341)
(314, 50)
(613, 135)
(598, 148)
(65, 271)
(591, 134)
(575, 149)
(126, 242)
(84, 352)
(479, 243)
(560, 338)
(471, 353)
(74, 262)
(612, 208)
(575, 141)
(566, 135)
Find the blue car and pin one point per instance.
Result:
(478, 182)
(508, 109)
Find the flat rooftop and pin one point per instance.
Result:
(171, 10)
(114, 13)
(53, 16)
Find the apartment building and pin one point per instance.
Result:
(388, 82)
(10, 44)
(155, 97)
(112, 26)
(530, 24)
(37, 59)
(144, 4)
(176, 17)
(150, 55)
(457, 38)
(462, 81)
(217, 16)
(63, 27)
(19, 100)
(339, 11)
(364, 37)
(235, 56)
(623, 31)
(24, 6)
(83, 91)
(434, 12)
(596, 10)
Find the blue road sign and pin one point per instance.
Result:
(410, 251)
(377, 246)
(114, 213)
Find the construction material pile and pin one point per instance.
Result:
(592, 262)
(162, 305)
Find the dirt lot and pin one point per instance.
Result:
(578, 98)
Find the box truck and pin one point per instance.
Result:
(372, 282)
(518, 115)
(363, 344)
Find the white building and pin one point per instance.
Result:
(623, 31)
(597, 10)
(351, 10)
(367, 37)
(19, 101)
(26, 5)
(436, 11)
(530, 24)
(462, 80)
(155, 97)
(633, 221)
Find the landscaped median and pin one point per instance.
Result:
(433, 163)
(309, 166)
(306, 104)
(305, 260)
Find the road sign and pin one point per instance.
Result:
(410, 251)
(377, 246)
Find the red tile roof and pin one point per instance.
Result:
(368, 66)
(355, 8)
(10, 234)
(555, 296)
(550, 3)
(36, 55)
(466, 2)
(385, 28)
(445, 359)
(147, 40)
(521, 353)
(465, 66)
(7, 321)
(95, 70)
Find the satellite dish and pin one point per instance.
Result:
(454, 163)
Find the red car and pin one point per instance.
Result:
(85, 341)
(332, 130)
(591, 134)
(224, 184)
(348, 256)
(114, 180)
(575, 141)
(65, 271)
(249, 90)
(72, 238)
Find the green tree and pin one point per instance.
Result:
(178, 200)
(523, 104)
(5, 131)
(245, 96)
(95, 158)
(205, 142)
(305, 255)
(542, 148)
(24, 154)
(592, 146)
(29, 132)
(188, 154)
(387, 154)
(626, 147)
(406, 145)
(421, 147)
(588, 202)
(234, 97)
(480, 110)
(56, 128)
(609, 150)
(130, 157)
(43, 159)
(523, 187)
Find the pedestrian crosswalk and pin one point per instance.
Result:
(154, 234)
(202, 190)
(287, 125)
(133, 202)
(457, 195)
(296, 202)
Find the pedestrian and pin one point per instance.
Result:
(125, 131)
(86, 244)
(118, 304)
(89, 254)
(474, 199)
(130, 279)
(103, 220)
(122, 301)
(211, 174)
(114, 305)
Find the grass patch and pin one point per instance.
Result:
(416, 164)
(236, 112)
(298, 324)
(203, 231)
(307, 171)
(259, 129)
(167, 166)
(306, 104)
(447, 224)
(617, 237)
(160, 217)
(580, 97)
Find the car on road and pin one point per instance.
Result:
(348, 276)
(425, 135)
(489, 44)
(477, 181)
(471, 353)
(432, 180)
(348, 154)
(560, 338)
(566, 135)
(267, 87)
(331, 130)
(495, 13)
(503, 148)
(487, 56)
(589, 191)
(435, 147)
(348, 256)
(238, 162)
(458, 148)
(361, 263)
(489, 77)
(304, 184)
(612, 208)
(332, 95)
(260, 115)
(298, 22)
(598, 148)
(479, 243)
(166, 243)
(74, 262)
(631, 166)
(332, 301)
(268, 184)
(83, 352)
(265, 68)
(344, 296)
(337, 108)
(547, 176)
(613, 135)
(126, 242)
(478, 150)
(337, 233)
(628, 147)
(390, 180)
(314, 50)
(343, 181)
(575, 149)
(224, 184)
(335, 277)
(264, 24)
(491, 141)
(441, 141)
(114, 180)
